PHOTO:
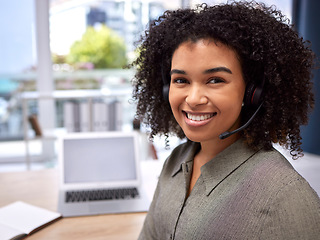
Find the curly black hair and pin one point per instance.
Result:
(269, 50)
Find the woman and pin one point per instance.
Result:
(235, 79)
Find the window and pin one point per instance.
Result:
(18, 58)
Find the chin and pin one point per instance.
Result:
(201, 138)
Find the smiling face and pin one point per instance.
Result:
(206, 89)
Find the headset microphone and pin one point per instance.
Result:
(228, 134)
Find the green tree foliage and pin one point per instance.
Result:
(102, 47)
(58, 59)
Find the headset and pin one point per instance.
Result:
(166, 84)
(253, 94)
(253, 98)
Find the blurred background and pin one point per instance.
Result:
(62, 61)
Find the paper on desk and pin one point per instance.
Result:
(8, 232)
(25, 217)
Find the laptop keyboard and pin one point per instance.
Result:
(101, 194)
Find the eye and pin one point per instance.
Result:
(180, 80)
(216, 80)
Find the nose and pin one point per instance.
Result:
(196, 96)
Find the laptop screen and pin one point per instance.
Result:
(99, 159)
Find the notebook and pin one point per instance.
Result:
(99, 174)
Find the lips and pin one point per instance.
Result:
(200, 117)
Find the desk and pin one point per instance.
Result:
(40, 188)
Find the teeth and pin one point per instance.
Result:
(199, 117)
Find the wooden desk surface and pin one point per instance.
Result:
(40, 188)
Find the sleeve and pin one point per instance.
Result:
(148, 231)
(294, 213)
(153, 224)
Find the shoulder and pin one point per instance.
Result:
(272, 167)
(293, 206)
(288, 204)
(271, 174)
(281, 181)
(274, 163)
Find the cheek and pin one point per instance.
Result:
(175, 100)
(171, 100)
(231, 105)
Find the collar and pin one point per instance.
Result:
(184, 153)
(225, 163)
(218, 168)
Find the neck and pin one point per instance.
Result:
(209, 149)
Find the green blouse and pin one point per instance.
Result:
(240, 194)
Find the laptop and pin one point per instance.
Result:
(100, 174)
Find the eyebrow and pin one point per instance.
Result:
(218, 69)
(211, 70)
(176, 71)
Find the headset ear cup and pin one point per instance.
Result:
(248, 95)
(165, 93)
(253, 95)
(256, 97)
